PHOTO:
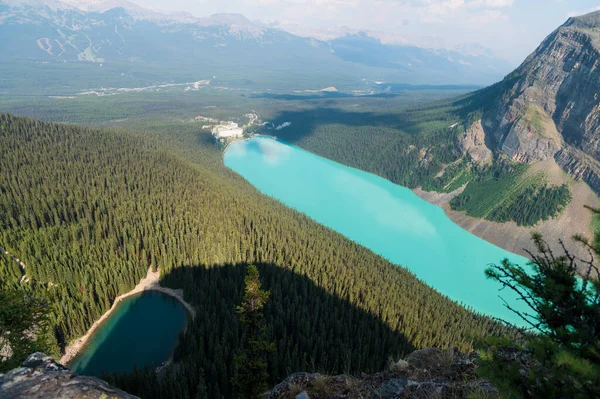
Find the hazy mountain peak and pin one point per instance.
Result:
(473, 49)
(130, 8)
(237, 23)
(336, 32)
(102, 6)
(226, 19)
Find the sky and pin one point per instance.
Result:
(510, 28)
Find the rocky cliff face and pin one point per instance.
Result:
(552, 101)
(581, 166)
(472, 142)
(42, 377)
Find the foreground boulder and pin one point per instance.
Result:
(40, 376)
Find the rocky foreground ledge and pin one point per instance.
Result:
(426, 373)
(40, 376)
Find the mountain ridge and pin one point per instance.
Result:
(322, 34)
(548, 107)
(124, 37)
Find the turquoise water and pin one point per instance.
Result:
(142, 331)
(388, 219)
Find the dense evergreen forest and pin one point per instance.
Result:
(417, 147)
(88, 211)
(504, 192)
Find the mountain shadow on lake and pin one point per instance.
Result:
(313, 330)
(305, 122)
(318, 96)
(402, 87)
(388, 124)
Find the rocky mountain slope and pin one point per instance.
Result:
(550, 106)
(545, 114)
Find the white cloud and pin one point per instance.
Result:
(444, 7)
(309, 3)
(491, 3)
(488, 16)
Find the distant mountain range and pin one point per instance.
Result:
(135, 46)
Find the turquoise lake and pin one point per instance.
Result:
(142, 331)
(389, 219)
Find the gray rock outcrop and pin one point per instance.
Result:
(580, 166)
(527, 143)
(425, 373)
(42, 377)
(472, 141)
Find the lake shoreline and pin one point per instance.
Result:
(573, 219)
(149, 283)
(229, 142)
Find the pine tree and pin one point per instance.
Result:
(559, 353)
(201, 389)
(250, 364)
(23, 326)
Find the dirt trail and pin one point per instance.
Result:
(150, 282)
(19, 262)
